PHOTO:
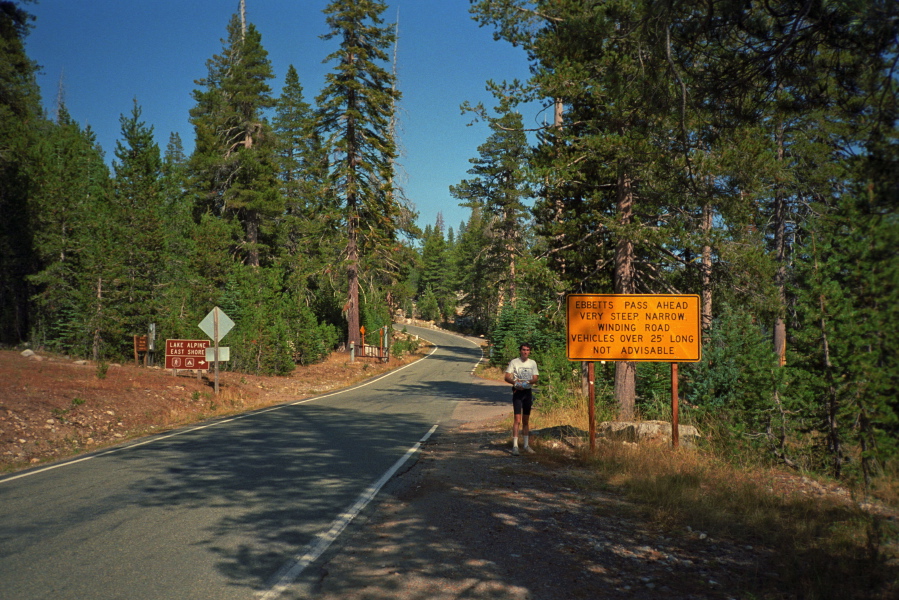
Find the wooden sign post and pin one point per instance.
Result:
(140, 345)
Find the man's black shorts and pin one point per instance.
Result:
(522, 400)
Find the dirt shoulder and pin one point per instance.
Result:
(469, 520)
(52, 407)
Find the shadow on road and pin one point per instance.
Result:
(259, 493)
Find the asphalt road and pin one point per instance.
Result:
(222, 511)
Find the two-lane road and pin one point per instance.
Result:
(218, 511)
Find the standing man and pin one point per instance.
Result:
(522, 374)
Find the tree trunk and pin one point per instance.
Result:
(510, 235)
(833, 405)
(352, 312)
(95, 350)
(625, 371)
(352, 200)
(558, 217)
(252, 229)
(512, 275)
(706, 269)
(780, 248)
(834, 444)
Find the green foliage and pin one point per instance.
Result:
(428, 308)
(559, 382)
(752, 401)
(517, 325)
(404, 344)
(480, 300)
(847, 339)
(102, 370)
(735, 361)
(272, 332)
(375, 315)
(654, 390)
(497, 231)
(234, 167)
(20, 121)
(355, 116)
(311, 341)
(514, 326)
(437, 280)
(135, 259)
(71, 235)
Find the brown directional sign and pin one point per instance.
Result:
(186, 354)
(636, 327)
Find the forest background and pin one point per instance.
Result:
(745, 152)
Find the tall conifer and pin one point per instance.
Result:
(71, 232)
(139, 229)
(20, 121)
(233, 166)
(355, 108)
(500, 184)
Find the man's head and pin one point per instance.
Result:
(524, 351)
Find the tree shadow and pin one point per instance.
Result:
(273, 483)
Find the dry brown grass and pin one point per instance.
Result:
(829, 546)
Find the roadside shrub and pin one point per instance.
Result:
(559, 382)
(654, 390)
(515, 326)
(404, 344)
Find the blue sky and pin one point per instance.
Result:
(109, 52)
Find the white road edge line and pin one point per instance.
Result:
(289, 573)
(388, 374)
(207, 426)
(244, 416)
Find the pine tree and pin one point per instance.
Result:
(436, 274)
(177, 207)
(234, 166)
(71, 233)
(302, 156)
(355, 111)
(311, 212)
(476, 273)
(499, 187)
(139, 257)
(179, 281)
(20, 120)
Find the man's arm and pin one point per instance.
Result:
(509, 377)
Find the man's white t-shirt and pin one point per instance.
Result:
(522, 371)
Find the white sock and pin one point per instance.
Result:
(515, 442)
(525, 441)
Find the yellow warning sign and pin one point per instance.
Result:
(637, 327)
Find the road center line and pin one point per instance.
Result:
(292, 570)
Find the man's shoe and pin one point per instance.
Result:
(528, 449)
(514, 450)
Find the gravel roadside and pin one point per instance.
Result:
(470, 521)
